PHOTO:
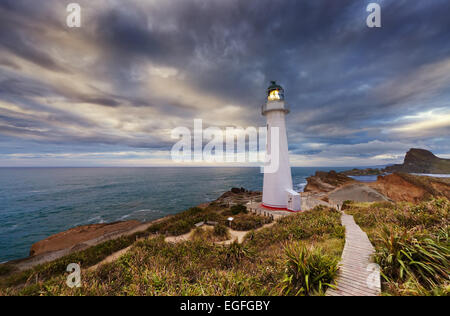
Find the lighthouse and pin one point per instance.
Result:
(278, 193)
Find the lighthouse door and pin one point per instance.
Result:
(293, 201)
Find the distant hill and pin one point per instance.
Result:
(421, 161)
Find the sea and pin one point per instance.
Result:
(38, 202)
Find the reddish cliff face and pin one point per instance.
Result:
(76, 236)
(410, 188)
(399, 187)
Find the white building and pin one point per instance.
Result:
(278, 193)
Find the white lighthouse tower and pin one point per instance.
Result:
(278, 193)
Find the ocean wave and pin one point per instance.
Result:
(9, 229)
(432, 175)
(301, 186)
(97, 219)
(136, 213)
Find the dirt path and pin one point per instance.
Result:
(235, 236)
(240, 235)
(110, 258)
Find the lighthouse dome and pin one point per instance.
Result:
(275, 92)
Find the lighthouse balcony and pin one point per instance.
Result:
(275, 106)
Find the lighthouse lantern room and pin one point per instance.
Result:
(278, 193)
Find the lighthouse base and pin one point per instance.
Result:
(292, 202)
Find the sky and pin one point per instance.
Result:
(110, 92)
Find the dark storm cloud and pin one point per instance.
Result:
(328, 41)
(347, 85)
(15, 31)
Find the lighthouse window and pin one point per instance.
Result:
(274, 95)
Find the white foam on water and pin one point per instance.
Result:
(124, 217)
(432, 175)
(137, 212)
(97, 219)
(301, 186)
(144, 211)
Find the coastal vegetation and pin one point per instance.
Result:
(176, 225)
(308, 271)
(412, 244)
(297, 255)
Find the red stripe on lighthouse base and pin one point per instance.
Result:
(272, 208)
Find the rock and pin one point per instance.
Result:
(238, 190)
(326, 181)
(421, 161)
(363, 172)
(235, 190)
(75, 237)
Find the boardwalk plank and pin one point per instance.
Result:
(354, 266)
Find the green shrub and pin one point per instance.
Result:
(238, 209)
(5, 269)
(221, 230)
(182, 223)
(245, 222)
(235, 253)
(308, 272)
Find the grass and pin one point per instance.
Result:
(86, 258)
(238, 209)
(200, 267)
(308, 271)
(176, 225)
(212, 234)
(6, 269)
(412, 244)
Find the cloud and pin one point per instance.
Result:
(132, 73)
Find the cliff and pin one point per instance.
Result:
(410, 188)
(421, 161)
(335, 188)
(76, 237)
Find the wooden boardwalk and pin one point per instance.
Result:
(358, 276)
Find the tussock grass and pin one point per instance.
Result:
(308, 271)
(412, 244)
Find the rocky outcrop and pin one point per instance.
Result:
(363, 172)
(74, 238)
(326, 181)
(421, 161)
